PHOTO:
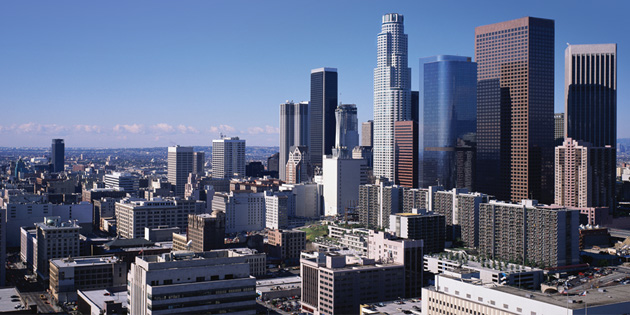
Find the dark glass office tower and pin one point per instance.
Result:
(590, 87)
(515, 109)
(450, 118)
(322, 113)
(57, 155)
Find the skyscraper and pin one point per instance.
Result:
(347, 127)
(228, 157)
(180, 164)
(57, 155)
(450, 115)
(392, 91)
(515, 108)
(322, 113)
(298, 167)
(558, 128)
(590, 86)
(367, 132)
(293, 130)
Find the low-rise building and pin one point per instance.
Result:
(286, 245)
(68, 275)
(429, 227)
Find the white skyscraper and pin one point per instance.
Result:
(392, 91)
(228, 157)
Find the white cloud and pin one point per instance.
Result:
(187, 129)
(135, 128)
(163, 128)
(222, 128)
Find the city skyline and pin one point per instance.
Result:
(110, 75)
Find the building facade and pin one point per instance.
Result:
(392, 92)
(244, 211)
(515, 73)
(57, 155)
(406, 153)
(430, 228)
(68, 275)
(347, 128)
(199, 163)
(342, 177)
(298, 168)
(287, 245)
(367, 133)
(206, 231)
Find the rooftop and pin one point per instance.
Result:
(99, 297)
(88, 261)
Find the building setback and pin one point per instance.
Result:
(515, 76)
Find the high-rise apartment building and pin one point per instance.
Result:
(206, 231)
(583, 174)
(367, 133)
(377, 202)
(590, 87)
(294, 130)
(347, 128)
(515, 73)
(558, 131)
(191, 283)
(57, 155)
(180, 164)
(199, 162)
(228, 157)
(392, 92)
(450, 116)
(528, 233)
(298, 166)
(406, 153)
(322, 113)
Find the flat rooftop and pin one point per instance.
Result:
(395, 307)
(88, 261)
(285, 283)
(98, 297)
(5, 300)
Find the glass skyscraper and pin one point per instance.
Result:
(322, 113)
(449, 85)
(392, 92)
(515, 61)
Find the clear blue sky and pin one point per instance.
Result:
(157, 73)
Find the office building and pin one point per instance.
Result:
(322, 113)
(298, 168)
(294, 130)
(558, 132)
(392, 92)
(347, 128)
(273, 164)
(206, 231)
(367, 133)
(228, 157)
(67, 275)
(57, 155)
(191, 283)
(125, 181)
(286, 245)
(103, 208)
(244, 211)
(134, 214)
(199, 163)
(385, 248)
(406, 153)
(53, 239)
(450, 116)
(342, 177)
(377, 202)
(590, 86)
(180, 164)
(279, 207)
(428, 227)
(583, 175)
(330, 285)
(515, 73)
(529, 234)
